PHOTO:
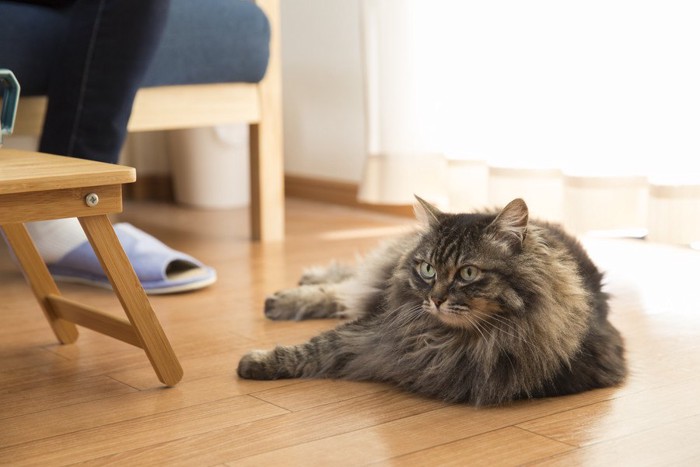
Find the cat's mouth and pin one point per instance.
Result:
(448, 314)
(464, 316)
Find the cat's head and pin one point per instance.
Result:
(464, 269)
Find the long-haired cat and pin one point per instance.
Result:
(482, 308)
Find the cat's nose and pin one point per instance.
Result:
(437, 301)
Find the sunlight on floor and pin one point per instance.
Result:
(348, 234)
(660, 278)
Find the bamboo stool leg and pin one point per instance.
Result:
(133, 298)
(37, 275)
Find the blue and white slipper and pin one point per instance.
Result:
(160, 269)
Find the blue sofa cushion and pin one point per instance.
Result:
(206, 41)
(211, 41)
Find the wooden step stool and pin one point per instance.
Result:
(36, 187)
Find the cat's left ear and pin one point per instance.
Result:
(426, 213)
(509, 228)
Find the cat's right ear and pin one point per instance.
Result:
(426, 213)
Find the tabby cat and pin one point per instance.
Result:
(482, 308)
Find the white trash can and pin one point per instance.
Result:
(210, 166)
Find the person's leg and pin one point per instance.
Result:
(104, 55)
(108, 47)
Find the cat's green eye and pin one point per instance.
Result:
(427, 271)
(469, 273)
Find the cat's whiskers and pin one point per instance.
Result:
(512, 327)
(489, 327)
(474, 324)
(402, 317)
(476, 320)
(482, 328)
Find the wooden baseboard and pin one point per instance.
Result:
(157, 187)
(336, 192)
(160, 188)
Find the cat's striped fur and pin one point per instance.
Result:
(482, 308)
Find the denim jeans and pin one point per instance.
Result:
(97, 66)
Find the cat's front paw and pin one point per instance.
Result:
(254, 365)
(304, 302)
(332, 274)
(313, 276)
(281, 305)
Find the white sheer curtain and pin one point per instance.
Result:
(589, 110)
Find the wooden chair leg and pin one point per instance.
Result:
(266, 189)
(133, 298)
(266, 149)
(37, 275)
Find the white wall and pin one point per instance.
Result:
(324, 128)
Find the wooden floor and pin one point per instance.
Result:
(98, 401)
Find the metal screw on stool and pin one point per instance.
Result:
(92, 199)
